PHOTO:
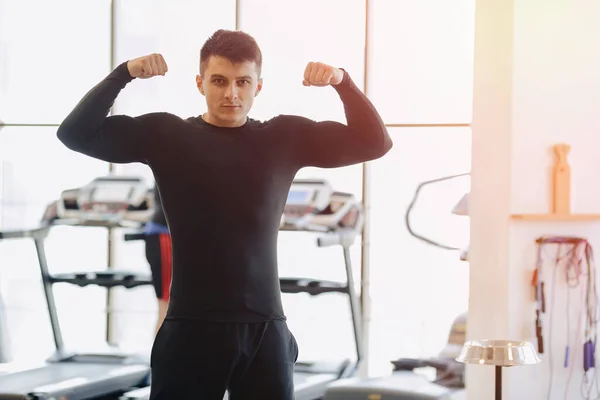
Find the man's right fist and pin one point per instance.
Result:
(147, 66)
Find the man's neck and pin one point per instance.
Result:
(221, 124)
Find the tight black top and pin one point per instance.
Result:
(158, 216)
(232, 182)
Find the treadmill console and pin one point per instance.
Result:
(312, 205)
(307, 196)
(105, 200)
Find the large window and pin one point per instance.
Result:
(177, 30)
(36, 167)
(48, 60)
(418, 289)
(282, 93)
(421, 60)
(417, 72)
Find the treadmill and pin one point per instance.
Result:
(313, 206)
(110, 202)
(65, 375)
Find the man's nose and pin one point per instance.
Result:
(232, 92)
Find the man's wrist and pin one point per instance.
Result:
(342, 74)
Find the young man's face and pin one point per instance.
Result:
(229, 90)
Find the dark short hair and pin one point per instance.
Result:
(236, 46)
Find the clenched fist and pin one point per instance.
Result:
(319, 74)
(147, 66)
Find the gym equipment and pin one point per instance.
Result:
(107, 200)
(462, 208)
(414, 201)
(404, 384)
(313, 206)
(69, 375)
(110, 202)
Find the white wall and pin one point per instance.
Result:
(536, 85)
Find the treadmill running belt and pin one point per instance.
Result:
(76, 380)
(307, 387)
(311, 386)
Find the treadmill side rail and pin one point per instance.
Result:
(73, 381)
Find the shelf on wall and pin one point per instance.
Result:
(561, 193)
(556, 217)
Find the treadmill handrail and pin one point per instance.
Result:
(131, 236)
(311, 286)
(38, 232)
(106, 278)
(116, 222)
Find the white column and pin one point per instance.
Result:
(537, 83)
(489, 199)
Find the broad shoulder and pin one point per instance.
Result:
(289, 122)
(161, 118)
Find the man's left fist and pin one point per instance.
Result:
(319, 74)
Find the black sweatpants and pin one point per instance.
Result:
(195, 360)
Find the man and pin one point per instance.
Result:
(158, 254)
(230, 175)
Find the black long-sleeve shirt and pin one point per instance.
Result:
(224, 189)
(158, 216)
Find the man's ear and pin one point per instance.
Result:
(200, 83)
(258, 87)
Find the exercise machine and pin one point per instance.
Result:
(405, 384)
(105, 201)
(313, 206)
(111, 202)
(68, 375)
(458, 209)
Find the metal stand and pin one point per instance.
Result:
(498, 369)
(354, 304)
(498, 353)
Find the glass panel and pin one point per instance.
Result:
(177, 30)
(334, 338)
(36, 167)
(280, 28)
(171, 28)
(81, 310)
(287, 46)
(421, 60)
(134, 310)
(417, 289)
(48, 58)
